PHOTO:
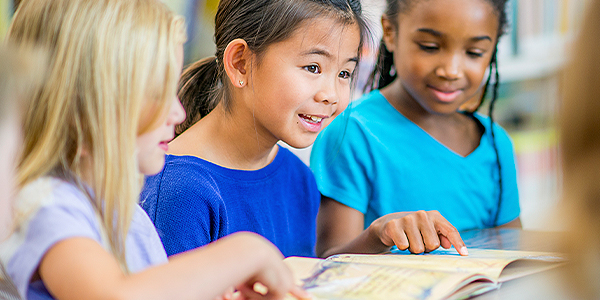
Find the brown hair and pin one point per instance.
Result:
(260, 23)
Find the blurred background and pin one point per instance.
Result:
(531, 56)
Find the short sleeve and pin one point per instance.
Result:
(187, 208)
(342, 164)
(62, 212)
(509, 208)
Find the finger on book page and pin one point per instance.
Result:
(449, 232)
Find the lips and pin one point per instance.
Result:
(446, 95)
(312, 123)
(164, 145)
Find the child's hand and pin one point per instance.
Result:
(228, 295)
(420, 231)
(273, 280)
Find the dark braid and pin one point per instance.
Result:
(494, 71)
(494, 65)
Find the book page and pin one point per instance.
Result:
(339, 280)
(490, 263)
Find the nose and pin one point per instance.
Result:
(328, 93)
(450, 68)
(176, 113)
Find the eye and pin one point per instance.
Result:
(429, 47)
(345, 74)
(474, 53)
(313, 69)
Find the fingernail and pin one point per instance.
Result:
(463, 251)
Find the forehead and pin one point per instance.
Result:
(459, 18)
(339, 39)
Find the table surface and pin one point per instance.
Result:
(544, 285)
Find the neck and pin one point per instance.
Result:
(227, 139)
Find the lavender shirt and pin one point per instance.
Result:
(55, 210)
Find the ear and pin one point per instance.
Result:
(236, 61)
(389, 33)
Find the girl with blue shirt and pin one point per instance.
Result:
(101, 120)
(282, 71)
(414, 144)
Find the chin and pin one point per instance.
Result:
(302, 143)
(152, 168)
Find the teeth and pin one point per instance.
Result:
(312, 119)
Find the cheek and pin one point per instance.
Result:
(477, 73)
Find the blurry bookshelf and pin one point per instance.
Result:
(199, 16)
(6, 7)
(530, 57)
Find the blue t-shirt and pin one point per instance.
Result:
(193, 202)
(56, 210)
(375, 160)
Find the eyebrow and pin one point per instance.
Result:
(325, 53)
(439, 34)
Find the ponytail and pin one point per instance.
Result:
(384, 72)
(199, 91)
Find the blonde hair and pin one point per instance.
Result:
(112, 76)
(580, 145)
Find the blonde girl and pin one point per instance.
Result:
(101, 121)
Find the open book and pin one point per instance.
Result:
(441, 274)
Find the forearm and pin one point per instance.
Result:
(204, 273)
(79, 268)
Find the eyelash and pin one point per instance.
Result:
(474, 54)
(431, 49)
(428, 49)
(316, 70)
(345, 75)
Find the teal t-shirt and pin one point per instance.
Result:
(375, 160)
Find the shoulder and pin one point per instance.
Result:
(51, 192)
(185, 184)
(181, 173)
(48, 210)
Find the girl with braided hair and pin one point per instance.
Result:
(409, 146)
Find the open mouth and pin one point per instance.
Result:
(311, 119)
(311, 123)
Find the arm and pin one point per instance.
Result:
(78, 268)
(340, 230)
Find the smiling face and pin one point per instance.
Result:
(300, 84)
(152, 145)
(441, 51)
